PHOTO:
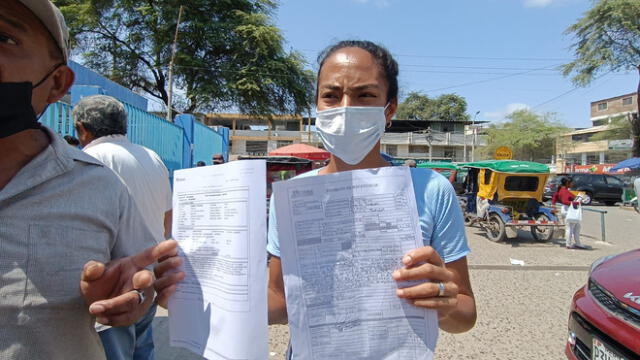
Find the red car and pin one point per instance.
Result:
(604, 323)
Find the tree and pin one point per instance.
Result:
(608, 39)
(446, 107)
(230, 55)
(530, 136)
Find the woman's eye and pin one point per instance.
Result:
(6, 40)
(329, 96)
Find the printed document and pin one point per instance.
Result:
(219, 311)
(341, 237)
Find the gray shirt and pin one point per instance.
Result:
(61, 210)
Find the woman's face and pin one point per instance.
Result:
(352, 77)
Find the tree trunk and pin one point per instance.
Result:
(635, 123)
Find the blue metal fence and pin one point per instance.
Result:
(210, 143)
(167, 139)
(58, 118)
(158, 135)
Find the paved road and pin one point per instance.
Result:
(522, 311)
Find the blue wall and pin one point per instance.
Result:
(179, 144)
(88, 82)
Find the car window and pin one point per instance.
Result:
(597, 180)
(614, 181)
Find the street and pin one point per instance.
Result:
(522, 310)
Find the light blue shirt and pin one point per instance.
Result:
(438, 208)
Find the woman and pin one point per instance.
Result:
(566, 198)
(358, 86)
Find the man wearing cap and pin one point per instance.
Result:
(72, 250)
(101, 124)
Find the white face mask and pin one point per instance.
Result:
(351, 132)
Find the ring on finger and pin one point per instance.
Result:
(141, 296)
(441, 289)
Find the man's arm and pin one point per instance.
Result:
(276, 297)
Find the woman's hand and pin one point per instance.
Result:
(448, 289)
(425, 264)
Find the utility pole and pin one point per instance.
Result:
(474, 136)
(173, 59)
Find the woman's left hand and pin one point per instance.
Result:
(439, 293)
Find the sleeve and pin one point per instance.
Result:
(448, 237)
(273, 243)
(132, 234)
(554, 199)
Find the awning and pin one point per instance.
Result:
(302, 151)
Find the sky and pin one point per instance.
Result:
(501, 55)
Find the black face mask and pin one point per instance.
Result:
(16, 111)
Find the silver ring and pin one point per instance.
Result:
(141, 296)
(441, 289)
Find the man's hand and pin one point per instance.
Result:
(168, 276)
(109, 289)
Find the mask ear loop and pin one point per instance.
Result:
(42, 82)
(388, 125)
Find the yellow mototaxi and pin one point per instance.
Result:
(503, 196)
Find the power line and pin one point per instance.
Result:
(491, 79)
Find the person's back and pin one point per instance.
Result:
(143, 172)
(101, 122)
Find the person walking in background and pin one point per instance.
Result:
(572, 224)
(101, 123)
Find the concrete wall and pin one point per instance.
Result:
(614, 106)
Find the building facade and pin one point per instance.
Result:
(438, 141)
(579, 147)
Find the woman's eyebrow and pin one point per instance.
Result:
(372, 86)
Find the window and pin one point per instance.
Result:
(392, 150)
(418, 149)
(282, 143)
(598, 180)
(521, 183)
(627, 101)
(449, 153)
(256, 147)
(602, 106)
(614, 181)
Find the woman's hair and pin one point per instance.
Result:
(565, 181)
(383, 57)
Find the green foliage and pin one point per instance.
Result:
(619, 129)
(446, 107)
(530, 136)
(607, 39)
(229, 53)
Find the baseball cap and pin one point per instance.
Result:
(52, 19)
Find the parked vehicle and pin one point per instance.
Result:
(510, 196)
(599, 187)
(451, 171)
(604, 321)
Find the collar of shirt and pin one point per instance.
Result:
(107, 139)
(55, 160)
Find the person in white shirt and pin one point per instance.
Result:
(101, 123)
